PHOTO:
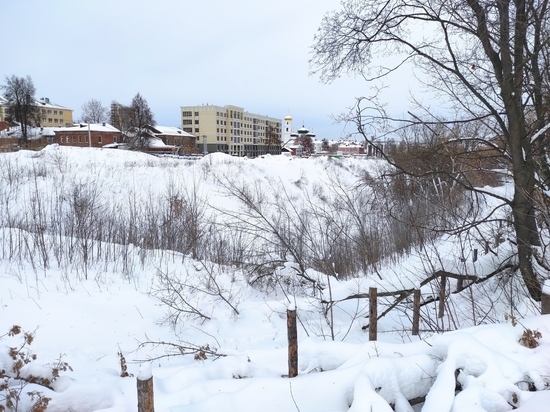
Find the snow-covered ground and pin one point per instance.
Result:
(237, 359)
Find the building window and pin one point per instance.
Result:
(74, 139)
(55, 112)
(61, 113)
(196, 122)
(49, 111)
(186, 114)
(188, 121)
(99, 139)
(196, 113)
(50, 120)
(196, 129)
(79, 139)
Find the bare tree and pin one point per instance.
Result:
(485, 60)
(21, 103)
(307, 143)
(273, 140)
(94, 112)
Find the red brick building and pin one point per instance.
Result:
(184, 142)
(88, 135)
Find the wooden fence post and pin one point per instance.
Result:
(442, 287)
(545, 304)
(373, 314)
(416, 312)
(292, 331)
(145, 393)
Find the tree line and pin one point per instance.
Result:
(130, 119)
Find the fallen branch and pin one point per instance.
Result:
(181, 349)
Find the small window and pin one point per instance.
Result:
(99, 139)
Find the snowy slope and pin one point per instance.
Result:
(87, 322)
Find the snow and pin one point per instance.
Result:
(87, 322)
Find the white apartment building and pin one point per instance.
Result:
(232, 130)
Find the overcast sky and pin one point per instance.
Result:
(249, 53)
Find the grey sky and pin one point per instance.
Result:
(249, 53)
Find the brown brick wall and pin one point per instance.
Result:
(79, 138)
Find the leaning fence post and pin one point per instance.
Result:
(145, 393)
(373, 314)
(292, 331)
(416, 312)
(442, 286)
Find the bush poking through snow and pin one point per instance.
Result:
(530, 338)
(17, 370)
(123, 366)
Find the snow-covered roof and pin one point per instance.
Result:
(169, 131)
(94, 127)
(45, 102)
(156, 142)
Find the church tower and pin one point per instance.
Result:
(287, 128)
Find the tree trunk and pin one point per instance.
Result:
(523, 210)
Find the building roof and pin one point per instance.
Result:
(42, 102)
(94, 127)
(45, 102)
(169, 131)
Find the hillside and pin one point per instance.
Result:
(186, 269)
